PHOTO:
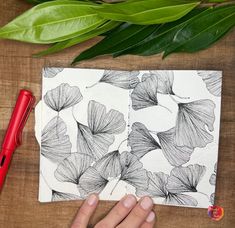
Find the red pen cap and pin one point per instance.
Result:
(24, 105)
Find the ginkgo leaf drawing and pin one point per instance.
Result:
(194, 119)
(213, 81)
(55, 144)
(62, 97)
(122, 79)
(51, 72)
(176, 155)
(185, 179)
(91, 181)
(71, 168)
(165, 80)
(109, 166)
(96, 138)
(212, 179)
(180, 199)
(157, 189)
(62, 196)
(141, 141)
(132, 171)
(144, 94)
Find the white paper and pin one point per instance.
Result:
(150, 133)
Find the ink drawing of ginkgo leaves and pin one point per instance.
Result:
(185, 179)
(144, 94)
(141, 142)
(157, 189)
(62, 196)
(212, 179)
(96, 138)
(213, 81)
(51, 72)
(109, 166)
(165, 80)
(55, 144)
(62, 97)
(122, 79)
(194, 119)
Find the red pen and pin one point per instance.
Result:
(12, 139)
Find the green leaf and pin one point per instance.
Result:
(68, 43)
(121, 38)
(203, 31)
(161, 38)
(52, 22)
(147, 11)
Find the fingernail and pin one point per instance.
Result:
(129, 201)
(92, 199)
(150, 217)
(146, 203)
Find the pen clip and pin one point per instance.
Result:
(18, 137)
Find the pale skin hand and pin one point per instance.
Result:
(126, 213)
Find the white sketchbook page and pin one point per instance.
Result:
(186, 83)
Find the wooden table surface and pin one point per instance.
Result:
(19, 206)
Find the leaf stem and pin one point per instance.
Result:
(88, 87)
(204, 194)
(181, 97)
(121, 143)
(43, 177)
(174, 99)
(73, 114)
(164, 107)
(114, 187)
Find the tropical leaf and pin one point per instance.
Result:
(78, 39)
(52, 22)
(203, 31)
(146, 11)
(122, 38)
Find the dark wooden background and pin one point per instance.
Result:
(19, 206)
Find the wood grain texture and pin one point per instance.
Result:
(19, 206)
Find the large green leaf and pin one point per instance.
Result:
(161, 38)
(76, 40)
(147, 11)
(121, 38)
(203, 31)
(52, 22)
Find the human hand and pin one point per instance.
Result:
(126, 213)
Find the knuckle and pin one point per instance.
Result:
(138, 213)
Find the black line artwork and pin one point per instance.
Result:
(122, 79)
(157, 188)
(109, 166)
(144, 94)
(55, 144)
(141, 142)
(185, 179)
(62, 97)
(51, 72)
(91, 181)
(212, 198)
(71, 168)
(58, 195)
(62, 196)
(95, 141)
(165, 81)
(176, 155)
(213, 81)
(96, 138)
(192, 120)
